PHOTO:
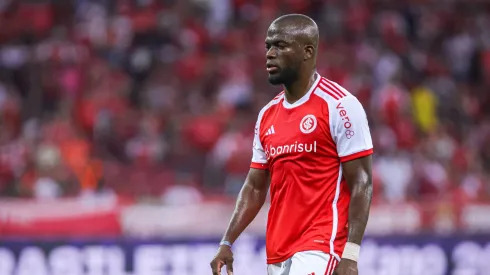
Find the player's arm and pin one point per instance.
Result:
(250, 199)
(357, 174)
(254, 191)
(354, 146)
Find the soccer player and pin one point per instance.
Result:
(313, 148)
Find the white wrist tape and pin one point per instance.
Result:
(351, 251)
(227, 243)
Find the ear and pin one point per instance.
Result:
(309, 52)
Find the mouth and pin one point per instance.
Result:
(272, 68)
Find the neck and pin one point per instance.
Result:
(296, 90)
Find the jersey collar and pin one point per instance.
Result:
(304, 98)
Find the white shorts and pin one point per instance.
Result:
(305, 263)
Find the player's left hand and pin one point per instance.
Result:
(346, 267)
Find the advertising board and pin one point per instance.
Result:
(391, 255)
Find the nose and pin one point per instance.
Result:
(271, 53)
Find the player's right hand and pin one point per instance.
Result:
(223, 257)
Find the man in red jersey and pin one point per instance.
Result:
(313, 148)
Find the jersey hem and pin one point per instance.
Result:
(277, 260)
(357, 155)
(256, 165)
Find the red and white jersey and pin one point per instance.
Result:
(303, 145)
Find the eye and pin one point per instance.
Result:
(281, 45)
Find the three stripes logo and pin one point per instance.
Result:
(270, 131)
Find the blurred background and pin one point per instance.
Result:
(126, 130)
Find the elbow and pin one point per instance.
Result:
(255, 191)
(366, 189)
(363, 187)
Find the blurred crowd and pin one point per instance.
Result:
(157, 99)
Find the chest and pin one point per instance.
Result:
(295, 133)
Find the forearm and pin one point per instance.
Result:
(248, 205)
(360, 203)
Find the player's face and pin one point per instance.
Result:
(283, 57)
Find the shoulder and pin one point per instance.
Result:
(276, 100)
(331, 91)
(334, 95)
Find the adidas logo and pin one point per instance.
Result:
(270, 131)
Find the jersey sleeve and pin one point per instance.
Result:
(259, 158)
(350, 129)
